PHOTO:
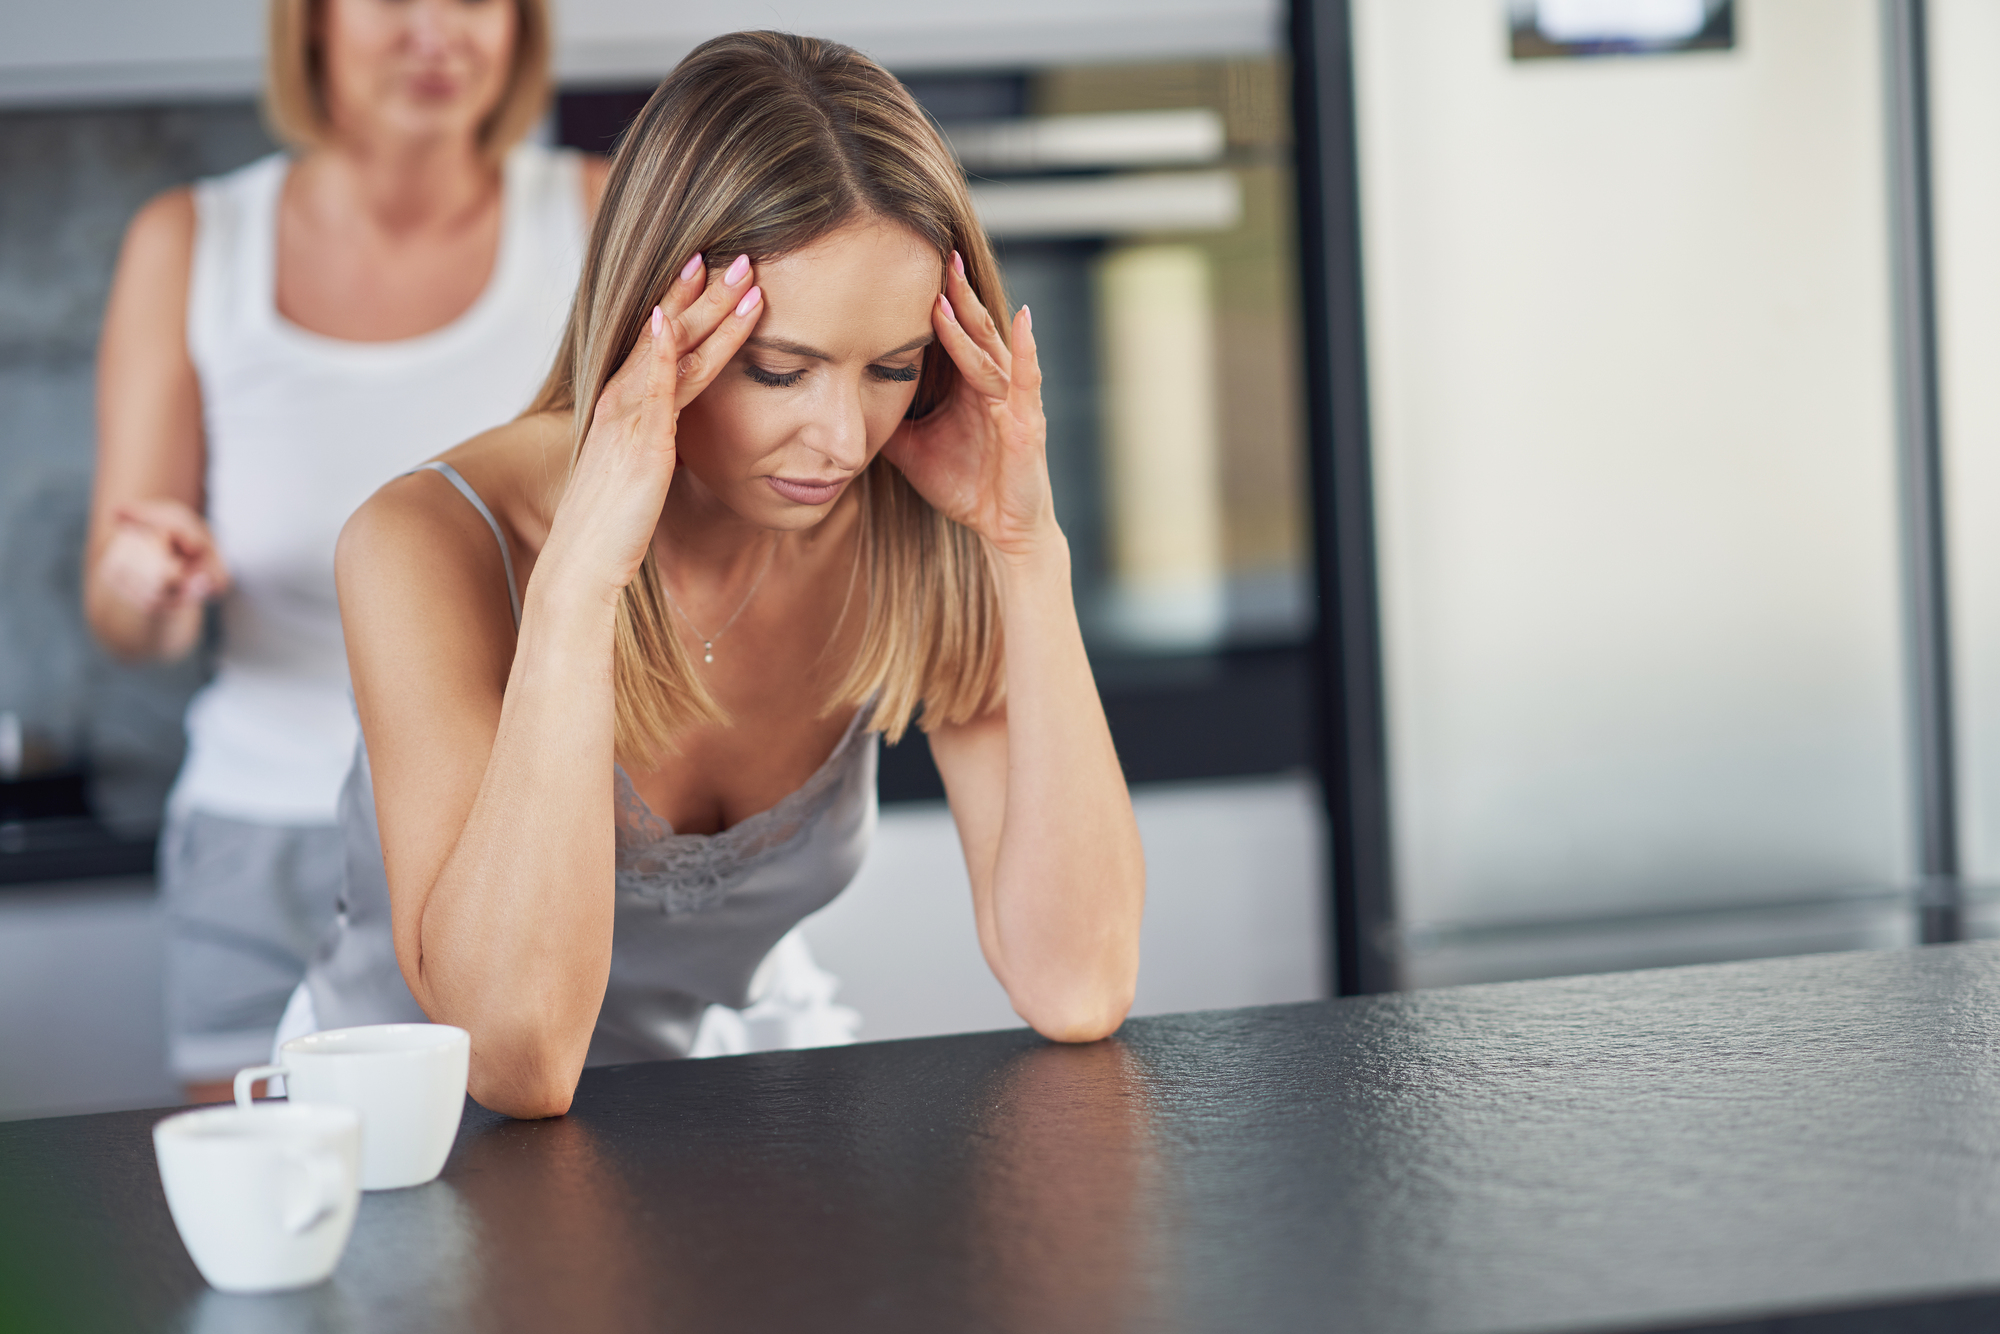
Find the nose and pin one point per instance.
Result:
(840, 434)
(430, 27)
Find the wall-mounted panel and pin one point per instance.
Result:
(1965, 145)
(1631, 374)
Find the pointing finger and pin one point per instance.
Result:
(174, 523)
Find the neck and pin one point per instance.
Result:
(402, 185)
(701, 542)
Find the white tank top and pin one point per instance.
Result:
(302, 428)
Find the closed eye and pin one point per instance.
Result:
(896, 374)
(772, 378)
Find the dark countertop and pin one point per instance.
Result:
(1816, 1139)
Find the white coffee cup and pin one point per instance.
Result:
(263, 1197)
(406, 1080)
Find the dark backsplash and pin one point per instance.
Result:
(70, 180)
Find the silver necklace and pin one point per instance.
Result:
(708, 641)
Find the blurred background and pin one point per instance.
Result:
(1506, 571)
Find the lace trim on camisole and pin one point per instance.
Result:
(691, 873)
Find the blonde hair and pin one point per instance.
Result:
(295, 77)
(760, 143)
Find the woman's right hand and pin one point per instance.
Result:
(161, 564)
(604, 523)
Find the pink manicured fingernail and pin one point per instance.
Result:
(693, 267)
(737, 270)
(657, 320)
(750, 299)
(958, 263)
(1027, 318)
(949, 313)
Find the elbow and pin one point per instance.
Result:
(1078, 1000)
(525, 1074)
(1080, 1017)
(1078, 1025)
(523, 1102)
(518, 1090)
(527, 1053)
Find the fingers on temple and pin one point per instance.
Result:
(638, 362)
(721, 294)
(1027, 371)
(687, 310)
(972, 312)
(700, 366)
(974, 362)
(686, 288)
(658, 344)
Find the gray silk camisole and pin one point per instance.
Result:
(696, 914)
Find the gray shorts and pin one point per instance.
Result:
(246, 904)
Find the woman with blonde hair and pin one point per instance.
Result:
(280, 341)
(621, 663)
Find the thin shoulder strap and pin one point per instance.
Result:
(450, 474)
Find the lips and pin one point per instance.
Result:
(434, 87)
(805, 493)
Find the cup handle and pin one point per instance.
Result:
(323, 1180)
(245, 1078)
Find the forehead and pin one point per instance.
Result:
(857, 291)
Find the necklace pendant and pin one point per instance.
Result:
(708, 641)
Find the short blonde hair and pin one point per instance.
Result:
(759, 143)
(295, 88)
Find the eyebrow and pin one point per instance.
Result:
(801, 350)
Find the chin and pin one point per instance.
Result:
(794, 518)
(430, 120)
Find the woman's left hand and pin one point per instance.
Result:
(980, 457)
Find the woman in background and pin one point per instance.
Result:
(279, 342)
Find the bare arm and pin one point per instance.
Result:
(1051, 845)
(1058, 876)
(150, 561)
(492, 757)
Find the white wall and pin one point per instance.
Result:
(1631, 384)
(80, 997)
(1234, 918)
(137, 50)
(129, 50)
(1234, 912)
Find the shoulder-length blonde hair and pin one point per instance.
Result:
(760, 143)
(295, 77)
